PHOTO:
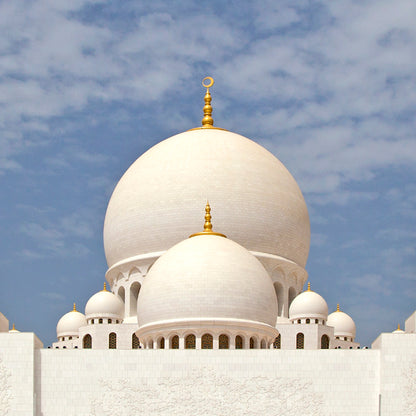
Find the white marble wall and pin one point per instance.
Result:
(17, 390)
(410, 324)
(4, 323)
(397, 373)
(271, 382)
(50, 382)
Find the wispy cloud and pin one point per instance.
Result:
(53, 296)
(59, 239)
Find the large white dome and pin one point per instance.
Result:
(257, 202)
(207, 279)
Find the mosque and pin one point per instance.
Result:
(183, 279)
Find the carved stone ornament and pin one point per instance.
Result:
(409, 402)
(205, 392)
(5, 394)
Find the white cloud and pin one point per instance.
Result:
(318, 239)
(59, 239)
(53, 296)
(342, 95)
(372, 282)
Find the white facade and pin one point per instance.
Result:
(50, 382)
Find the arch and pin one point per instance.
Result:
(190, 342)
(239, 342)
(132, 272)
(207, 342)
(135, 343)
(87, 342)
(161, 343)
(300, 341)
(280, 296)
(112, 341)
(134, 294)
(121, 293)
(292, 295)
(263, 344)
(174, 342)
(223, 342)
(253, 343)
(100, 321)
(308, 321)
(277, 343)
(325, 342)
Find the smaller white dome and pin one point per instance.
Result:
(207, 278)
(343, 324)
(70, 323)
(13, 330)
(104, 304)
(309, 305)
(398, 330)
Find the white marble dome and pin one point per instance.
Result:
(398, 330)
(207, 278)
(104, 304)
(257, 202)
(343, 324)
(308, 305)
(70, 324)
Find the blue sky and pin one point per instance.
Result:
(328, 87)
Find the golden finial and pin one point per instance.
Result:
(105, 287)
(309, 286)
(13, 327)
(75, 308)
(207, 224)
(338, 310)
(398, 327)
(207, 121)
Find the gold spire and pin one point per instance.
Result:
(105, 288)
(208, 224)
(338, 310)
(207, 121)
(309, 286)
(75, 308)
(13, 327)
(398, 327)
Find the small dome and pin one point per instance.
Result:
(308, 304)
(398, 330)
(13, 330)
(104, 304)
(343, 324)
(207, 278)
(70, 323)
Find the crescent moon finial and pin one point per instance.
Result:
(208, 85)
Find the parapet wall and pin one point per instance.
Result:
(50, 382)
